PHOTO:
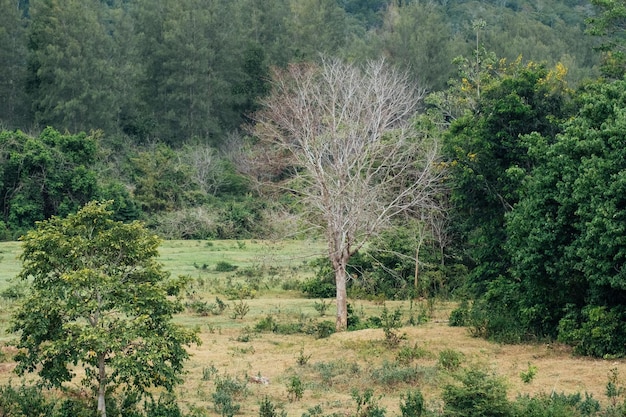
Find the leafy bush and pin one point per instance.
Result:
(268, 409)
(406, 354)
(227, 390)
(324, 329)
(319, 288)
(14, 292)
(390, 323)
(595, 331)
(478, 395)
(529, 374)
(450, 359)
(24, 401)
(166, 406)
(413, 404)
(223, 266)
(366, 404)
(295, 388)
(460, 316)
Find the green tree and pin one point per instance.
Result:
(47, 175)
(608, 26)
(412, 39)
(566, 233)
(489, 159)
(317, 26)
(72, 79)
(162, 182)
(98, 299)
(193, 66)
(14, 110)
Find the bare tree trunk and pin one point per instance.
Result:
(101, 386)
(416, 280)
(341, 276)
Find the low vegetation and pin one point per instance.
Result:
(282, 357)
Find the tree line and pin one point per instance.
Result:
(194, 70)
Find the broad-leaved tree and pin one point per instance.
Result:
(99, 301)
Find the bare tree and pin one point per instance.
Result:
(343, 137)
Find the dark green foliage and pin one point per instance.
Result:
(478, 395)
(566, 235)
(24, 401)
(14, 106)
(74, 82)
(165, 406)
(595, 330)
(322, 285)
(413, 404)
(223, 266)
(295, 388)
(324, 329)
(460, 316)
(406, 354)
(489, 161)
(43, 176)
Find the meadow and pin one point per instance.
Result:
(263, 340)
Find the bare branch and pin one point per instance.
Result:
(343, 137)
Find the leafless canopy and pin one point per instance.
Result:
(340, 136)
(346, 132)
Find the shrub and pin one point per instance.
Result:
(240, 309)
(555, 405)
(478, 395)
(223, 266)
(295, 388)
(267, 324)
(366, 405)
(595, 331)
(406, 354)
(24, 401)
(317, 288)
(324, 329)
(390, 323)
(268, 410)
(393, 373)
(450, 359)
(460, 317)
(166, 406)
(321, 307)
(528, 375)
(413, 404)
(227, 390)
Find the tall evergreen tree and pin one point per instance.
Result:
(72, 75)
(413, 38)
(13, 103)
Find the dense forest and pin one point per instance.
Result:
(163, 91)
(145, 103)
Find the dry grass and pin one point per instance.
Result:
(275, 357)
(343, 362)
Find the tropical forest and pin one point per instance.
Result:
(304, 208)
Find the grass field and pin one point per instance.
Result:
(257, 279)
